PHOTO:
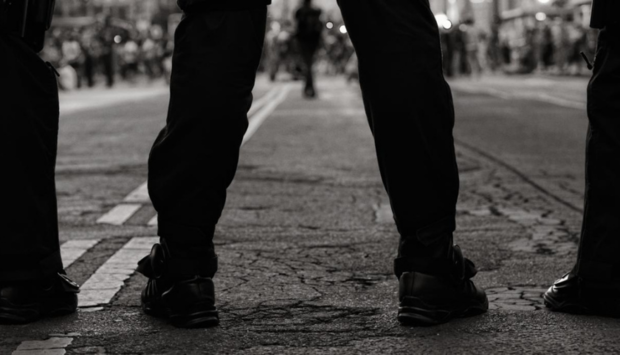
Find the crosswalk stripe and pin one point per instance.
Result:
(260, 110)
(105, 283)
(258, 103)
(119, 214)
(259, 117)
(72, 250)
(141, 194)
(51, 346)
(275, 98)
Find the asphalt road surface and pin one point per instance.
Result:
(306, 241)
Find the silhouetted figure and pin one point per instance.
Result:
(32, 280)
(593, 285)
(309, 29)
(106, 38)
(411, 115)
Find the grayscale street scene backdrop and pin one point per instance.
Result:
(307, 240)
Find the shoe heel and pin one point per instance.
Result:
(414, 311)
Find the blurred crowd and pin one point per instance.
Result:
(105, 51)
(551, 47)
(109, 50)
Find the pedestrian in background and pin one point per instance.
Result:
(593, 285)
(309, 30)
(33, 283)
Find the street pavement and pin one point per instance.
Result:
(306, 241)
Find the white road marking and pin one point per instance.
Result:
(264, 107)
(77, 101)
(141, 194)
(258, 103)
(51, 346)
(262, 114)
(105, 283)
(383, 213)
(542, 97)
(260, 110)
(119, 214)
(73, 249)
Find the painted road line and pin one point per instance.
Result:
(259, 117)
(141, 194)
(51, 346)
(542, 97)
(383, 213)
(119, 214)
(260, 110)
(78, 101)
(72, 250)
(105, 283)
(272, 99)
(259, 103)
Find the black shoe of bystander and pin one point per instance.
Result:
(434, 299)
(571, 294)
(28, 300)
(186, 301)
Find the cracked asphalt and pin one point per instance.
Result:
(306, 242)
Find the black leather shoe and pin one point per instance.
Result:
(571, 294)
(430, 299)
(27, 301)
(187, 302)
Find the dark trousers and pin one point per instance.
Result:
(411, 115)
(599, 248)
(29, 246)
(195, 156)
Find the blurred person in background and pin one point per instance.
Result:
(308, 35)
(546, 48)
(90, 50)
(129, 55)
(106, 38)
(72, 55)
(471, 41)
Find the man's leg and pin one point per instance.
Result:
(30, 253)
(410, 112)
(194, 158)
(593, 286)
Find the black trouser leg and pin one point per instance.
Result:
(410, 112)
(599, 247)
(194, 158)
(29, 247)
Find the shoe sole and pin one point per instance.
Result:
(575, 307)
(564, 306)
(201, 319)
(421, 314)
